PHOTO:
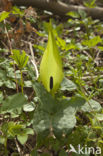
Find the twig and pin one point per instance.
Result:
(31, 95)
(85, 52)
(8, 36)
(18, 147)
(3, 62)
(33, 61)
(89, 77)
(10, 46)
(97, 58)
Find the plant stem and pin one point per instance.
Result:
(21, 81)
(5, 145)
(15, 78)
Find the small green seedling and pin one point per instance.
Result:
(21, 60)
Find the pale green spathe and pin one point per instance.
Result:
(51, 65)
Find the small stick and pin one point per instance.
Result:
(33, 61)
(10, 46)
(18, 147)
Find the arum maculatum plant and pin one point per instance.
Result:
(51, 73)
(55, 116)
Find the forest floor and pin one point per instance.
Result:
(25, 128)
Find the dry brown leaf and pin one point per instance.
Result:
(19, 30)
(30, 12)
(6, 5)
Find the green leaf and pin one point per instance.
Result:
(20, 58)
(82, 13)
(92, 42)
(100, 48)
(1, 96)
(99, 117)
(22, 138)
(28, 83)
(4, 15)
(2, 140)
(41, 48)
(45, 98)
(73, 14)
(29, 107)
(4, 128)
(29, 131)
(67, 85)
(2, 74)
(10, 84)
(60, 115)
(16, 10)
(13, 102)
(64, 120)
(1, 83)
(90, 4)
(42, 121)
(71, 46)
(24, 59)
(51, 73)
(15, 129)
(61, 43)
(20, 131)
(91, 105)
